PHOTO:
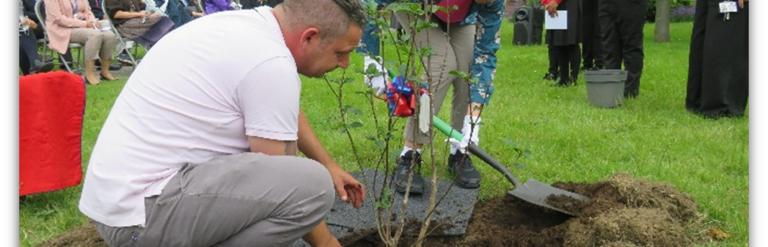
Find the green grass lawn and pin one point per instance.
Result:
(652, 137)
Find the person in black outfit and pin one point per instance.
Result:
(29, 32)
(718, 74)
(564, 44)
(552, 70)
(99, 14)
(590, 36)
(621, 28)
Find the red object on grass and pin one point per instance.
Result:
(51, 107)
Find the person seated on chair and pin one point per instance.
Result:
(178, 11)
(28, 36)
(133, 22)
(159, 6)
(72, 21)
(213, 6)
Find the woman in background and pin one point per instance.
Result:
(564, 44)
(72, 21)
(134, 23)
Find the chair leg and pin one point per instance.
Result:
(66, 63)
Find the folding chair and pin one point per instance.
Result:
(124, 45)
(72, 46)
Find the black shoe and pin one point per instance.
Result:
(115, 66)
(124, 59)
(465, 174)
(405, 165)
(41, 68)
(565, 83)
(631, 94)
(550, 76)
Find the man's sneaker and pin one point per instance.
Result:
(405, 165)
(464, 172)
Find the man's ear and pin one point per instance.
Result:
(309, 35)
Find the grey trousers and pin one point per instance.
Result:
(450, 51)
(97, 44)
(246, 199)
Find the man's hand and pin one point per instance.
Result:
(347, 187)
(741, 3)
(551, 8)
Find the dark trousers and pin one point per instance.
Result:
(590, 45)
(553, 55)
(178, 13)
(568, 58)
(621, 27)
(718, 71)
(157, 31)
(27, 51)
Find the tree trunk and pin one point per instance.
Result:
(661, 33)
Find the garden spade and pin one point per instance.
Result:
(533, 191)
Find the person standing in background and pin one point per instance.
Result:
(564, 44)
(621, 29)
(590, 36)
(718, 75)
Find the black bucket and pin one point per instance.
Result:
(605, 88)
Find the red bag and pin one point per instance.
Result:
(455, 16)
(51, 109)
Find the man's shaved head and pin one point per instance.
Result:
(331, 17)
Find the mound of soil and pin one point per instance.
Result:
(622, 212)
(84, 236)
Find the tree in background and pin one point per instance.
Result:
(661, 33)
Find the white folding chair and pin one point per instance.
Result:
(72, 46)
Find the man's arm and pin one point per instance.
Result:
(272, 147)
(321, 236)
(310, 145)
(347, 187)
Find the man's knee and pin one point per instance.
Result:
(315, 182)
(309, 179)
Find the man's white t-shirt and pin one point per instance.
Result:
(198, 94)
